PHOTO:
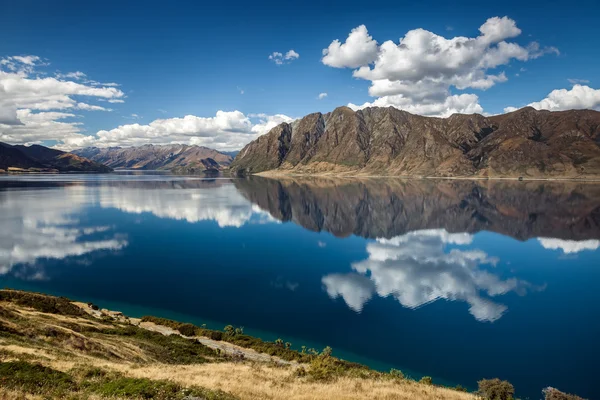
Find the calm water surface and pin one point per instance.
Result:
(454, 279)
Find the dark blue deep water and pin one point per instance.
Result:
(458, 280)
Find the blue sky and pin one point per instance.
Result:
(172, 59)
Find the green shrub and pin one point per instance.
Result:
(215, 335)
(396, 373)
(229, 330)
(426, 380)
(495, 389)
(187, 329)
(327, 351)
(551, 393)
(34, 378)
(460, 388)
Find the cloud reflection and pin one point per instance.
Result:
(222, 204)
(569, 246)
(416, 270)
(45, 226)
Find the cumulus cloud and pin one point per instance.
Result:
(280, 58)
(358, 49)
(34, 108)
(415, 269)
(417, 73)
(267, 122)
(578, 97)
(321, 96)
(227, 130)
(569, 246)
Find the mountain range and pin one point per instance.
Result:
(178, 158)
(36, 158)
(525, 143)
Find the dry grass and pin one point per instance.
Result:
(256, 381)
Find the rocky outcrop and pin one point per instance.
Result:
(384, 208)
(177, 157)
(387, 141)
(38, 158)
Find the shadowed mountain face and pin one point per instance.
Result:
(387, 141)
(376, 208)
(40, 158)
(178, 158)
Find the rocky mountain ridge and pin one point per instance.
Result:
(177, 157)
(386, 141)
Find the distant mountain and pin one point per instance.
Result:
(387, 141)
(40, 158)
(176, 157)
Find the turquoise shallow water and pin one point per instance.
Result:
(457, 280)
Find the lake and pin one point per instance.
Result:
(458, 280)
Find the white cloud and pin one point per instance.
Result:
(578, 97)
(280, 58)
(268, 122)
(417, 73)
(34, 109)
(78, 75)
(569, 246)
(416, 269)
(321, 96)
(464, 104)
(227, 130)
(291, 55)
(576, 81)
(359, 49)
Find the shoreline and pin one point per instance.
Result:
(272, 174)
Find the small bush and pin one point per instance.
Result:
(327, 351)
(426, 380)
(229, 330)
(215, 335)
(396, 373)
(187, 329)
(460, 388)
(495, 389)
(551, 393)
